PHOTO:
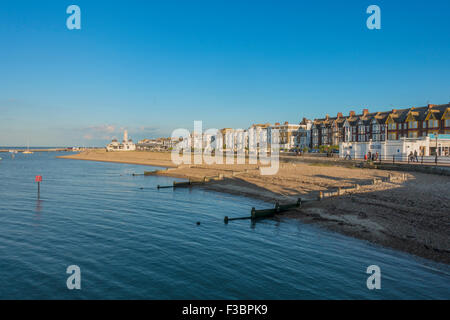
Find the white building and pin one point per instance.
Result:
(159, 144)
(287, 134)
(303, 139)
(398, 149)
(126, 145)
(235, 139)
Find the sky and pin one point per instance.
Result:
(154, 66)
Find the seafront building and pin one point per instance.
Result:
(400, 149)
(303, 136)
(159, 144)
(287, 134)
(380, 126)
(425, 130)
(126, 144)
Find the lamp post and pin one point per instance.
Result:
(436, 158)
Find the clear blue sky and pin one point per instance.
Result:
(153, 66)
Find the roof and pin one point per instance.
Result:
(398, 115)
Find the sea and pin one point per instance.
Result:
(131, 240)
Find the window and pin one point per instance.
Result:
(412, 134)
(392, 136)
(424, 124)
(433, 124)
(413, 125)
(392, 126)
(447, 123)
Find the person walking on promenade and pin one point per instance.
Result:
(415, 156)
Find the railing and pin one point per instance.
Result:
(406, 159)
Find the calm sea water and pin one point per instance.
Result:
(133, 243)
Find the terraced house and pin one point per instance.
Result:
(417, 122)
(413, 122)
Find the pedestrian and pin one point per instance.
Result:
(415, 156)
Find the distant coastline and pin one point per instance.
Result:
(38, 149)
(44, 149)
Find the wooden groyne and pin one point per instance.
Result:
(279, 208)
(177, 185)
(185, 184)
(267, 213)
(430, 169)
(342, 191)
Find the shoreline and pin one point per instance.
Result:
(409, 216)
(90, 156)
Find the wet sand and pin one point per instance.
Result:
(411, 215)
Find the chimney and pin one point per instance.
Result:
(430, 106)
(365, 112)
(339, 115)
(286, 123)
(327, 116)
(394, 110)
(277, 123)
(352, 113)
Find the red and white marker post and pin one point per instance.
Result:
(38, 179)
